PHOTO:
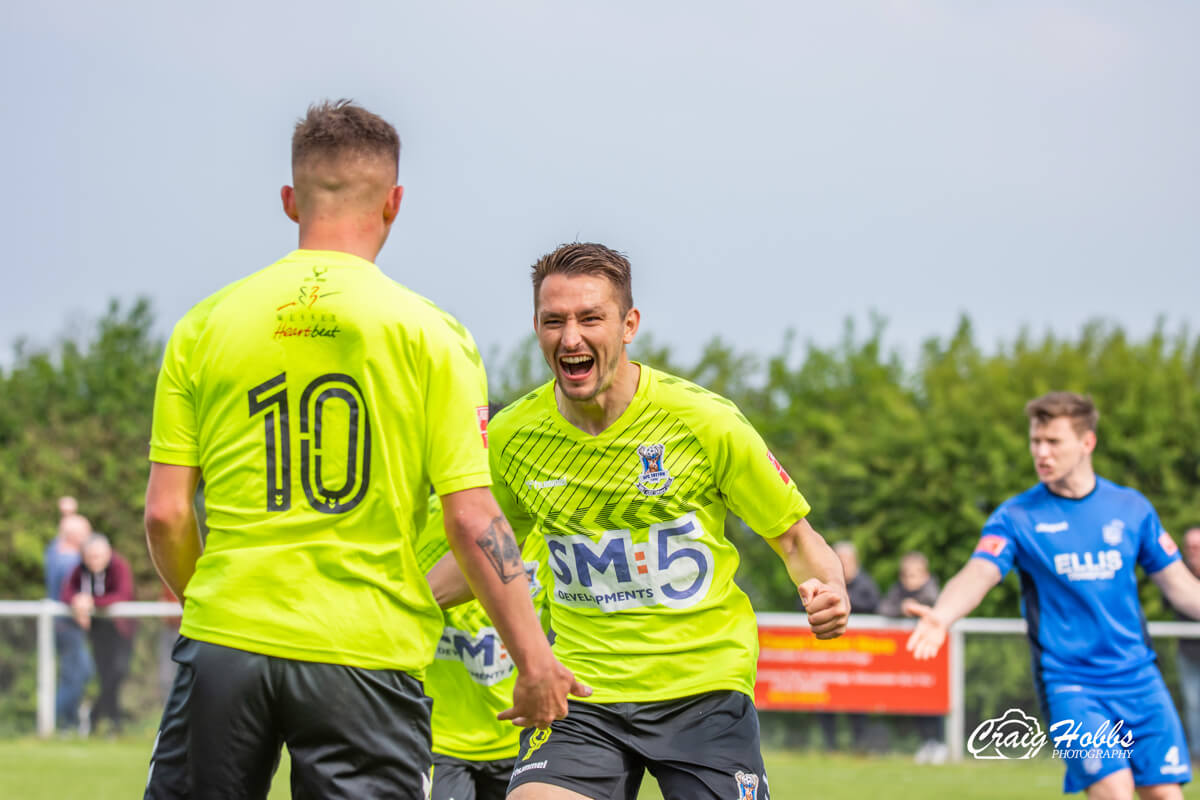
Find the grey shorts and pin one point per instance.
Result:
(458, 779)
(699, 747)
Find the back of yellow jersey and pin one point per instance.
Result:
(320, 400)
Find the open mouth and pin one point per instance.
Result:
(576, 366)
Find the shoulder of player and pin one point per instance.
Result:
(428, 323)
(196, 317)
(702, 409)
(524, 411)
(1125, 494)
(417, 306)
(1017, 507)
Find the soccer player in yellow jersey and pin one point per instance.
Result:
(628, 472)
(319, 401)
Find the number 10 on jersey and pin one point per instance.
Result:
(321, 396)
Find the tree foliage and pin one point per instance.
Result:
(75, 419)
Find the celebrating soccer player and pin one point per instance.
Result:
(1075, 539)
(628, 473)
(319, 400)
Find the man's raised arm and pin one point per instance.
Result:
(484, 547)
(817, 573)
(964, 592)
(1180, 587)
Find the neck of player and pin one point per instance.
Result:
(357, 235)
(593, 416)
(1077, 483)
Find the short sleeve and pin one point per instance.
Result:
(457, 409)
(996, 543)
(174, 431)
(1156, 548)
(755, 485)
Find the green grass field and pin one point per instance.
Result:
(116, 770)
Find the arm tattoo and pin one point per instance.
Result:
(501, 548)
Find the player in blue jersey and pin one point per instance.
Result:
(1075, 540)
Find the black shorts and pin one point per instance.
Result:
(699, 747)
(458, 779)
(350, 732)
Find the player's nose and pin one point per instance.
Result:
(571, 335)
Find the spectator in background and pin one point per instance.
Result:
(864, 599)
(915, 583)
(70, 642)
(1188, 655)
(101, 579)
(67, 506)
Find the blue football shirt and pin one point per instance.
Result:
(1079, 594)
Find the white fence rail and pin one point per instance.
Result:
(44, 611)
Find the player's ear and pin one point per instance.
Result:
(391, 206)
(288, 195)
(1089, 441)
(633, 318)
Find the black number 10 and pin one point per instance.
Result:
(271, 397)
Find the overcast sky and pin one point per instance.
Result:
(765, 165)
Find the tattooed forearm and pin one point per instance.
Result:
(501, 548)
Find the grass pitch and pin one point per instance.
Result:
(116, 770)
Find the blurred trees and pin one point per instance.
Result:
(76, 420)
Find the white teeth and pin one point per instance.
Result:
(576, 359)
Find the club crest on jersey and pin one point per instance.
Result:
(1112, 532)
(654, 480)
(747, 783)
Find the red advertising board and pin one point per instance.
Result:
(865, 669)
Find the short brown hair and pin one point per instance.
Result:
(587, 258)
(1079, 407)
(336, 128)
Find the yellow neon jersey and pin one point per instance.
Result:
(320, 400)
(644, 606)
(472, 679)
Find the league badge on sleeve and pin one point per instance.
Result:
(779, 468)
(654, 480)
(481, 414)
(1167, 544)
(991, 544)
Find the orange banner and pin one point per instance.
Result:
(864, 670)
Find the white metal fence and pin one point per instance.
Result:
(45, 611)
